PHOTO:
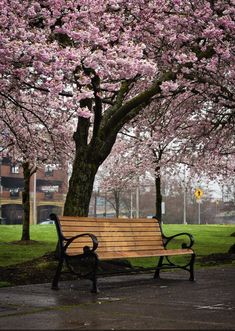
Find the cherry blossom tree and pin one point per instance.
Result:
(211, 142)
(28, 143)
(161, 134)
(104, 61)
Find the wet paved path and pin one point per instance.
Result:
(134, 302)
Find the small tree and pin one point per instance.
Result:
(118, 174)
(29, 144)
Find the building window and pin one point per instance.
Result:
(48, 171)
(15, 169)
(14, 193)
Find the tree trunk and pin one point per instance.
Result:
(88, 157)
(158, 195)
(26, 202)
(80, 187)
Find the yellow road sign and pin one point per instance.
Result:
(198, 193)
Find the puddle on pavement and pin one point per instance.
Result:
(108, 299)
(7, 309)
(218, 306)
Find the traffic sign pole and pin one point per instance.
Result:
(199, 211)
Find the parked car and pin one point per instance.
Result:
(48, 221)
(3, 220)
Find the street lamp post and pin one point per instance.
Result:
(185, 200)
(137, 201)
(199, 211)
(131, 215)
(184, 215)
(35, 198)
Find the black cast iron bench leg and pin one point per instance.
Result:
(191, 270)
(94, 288)
(156, 274)
(55, 281)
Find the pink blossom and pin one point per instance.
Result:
(169, 86)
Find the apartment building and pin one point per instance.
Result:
(48, 188)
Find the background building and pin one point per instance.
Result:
(48, 189)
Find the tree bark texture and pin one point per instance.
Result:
(80, 188)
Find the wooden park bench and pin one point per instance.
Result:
(84, 241)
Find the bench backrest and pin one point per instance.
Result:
(117, 237)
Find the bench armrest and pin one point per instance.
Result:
(65, 242)
(166, 239)
(86, 249)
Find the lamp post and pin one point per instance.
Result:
(137, 201)
(131, 205)
(199, 211)
(35, 198)
(185, 199)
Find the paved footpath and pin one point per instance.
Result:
(133, 302)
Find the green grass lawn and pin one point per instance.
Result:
(209, 239)
(12, 253)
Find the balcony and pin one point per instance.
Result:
(48, 195)
(11, 195)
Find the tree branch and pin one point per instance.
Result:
(119, 115)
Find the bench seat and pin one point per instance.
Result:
(143, 253)
(113, 238)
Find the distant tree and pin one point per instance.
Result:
(118, 173)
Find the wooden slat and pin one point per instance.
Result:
(90, 222)
(111, 220)
(114, 245)
(110, 248)
(112, 234)
(110, 228)
(111, 231)
(109, 225)
(119, 243)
